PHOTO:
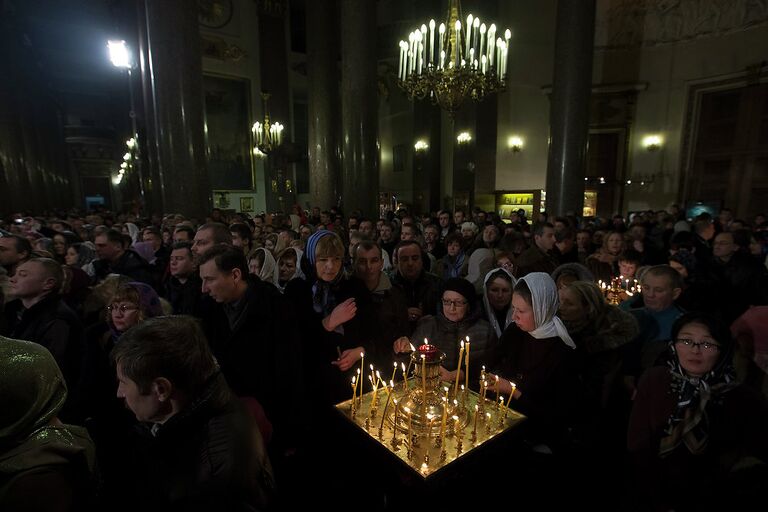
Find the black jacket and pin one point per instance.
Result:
(321, 347)
(260, 356)
(130, 264)
(423, 293)
(52, 324)
(185, 298)
(210, 456)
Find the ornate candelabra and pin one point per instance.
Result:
(452, 63)
(266, 135)
(619, 289)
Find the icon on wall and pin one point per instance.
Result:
(246, 204)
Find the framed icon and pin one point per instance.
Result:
(246, 204)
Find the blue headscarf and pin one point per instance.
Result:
(323, 297)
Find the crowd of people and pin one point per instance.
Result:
(180, 358)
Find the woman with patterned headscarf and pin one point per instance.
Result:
(336, 316)
(536, 354)
(697, 437)
(44, 464)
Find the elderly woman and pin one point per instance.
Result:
(458, 317)
(44, 464)
(335, 314)
(287, 267)
(536, 354)
(598, 330)
(696, 436)
(497, 298)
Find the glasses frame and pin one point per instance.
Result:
(705, 346)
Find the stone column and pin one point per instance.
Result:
(569, 109)
(359, 107)
(175, 82)
(323, 103)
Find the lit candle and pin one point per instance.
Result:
(445, 416)
(482, 39)
(458, 368)
(498, 56)
(471, 57)
(400, 63)
(430, 417)
(354, 391)
(511, 393)
(389, 399)
(501, 402)
(405, 378)
(491, 44)
(420, 55)
(361, 373)
(457, 48)
(483, 64)
(474, 426)
(424, 47)
(432, 42)
(440, 45)
(468, 41)
(442, 59)
(394, 429)
(407, 411)
(476, 33)
(456, 426)
(466, 365)
(424, 384)
(394, 371)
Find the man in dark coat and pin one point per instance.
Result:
(114, 258)
(199, 449)
(422, 290)
(538, 257)
(182, 289)
(38, 314)
(253, 333)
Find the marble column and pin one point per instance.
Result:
(175, 96)
(359, 107)
(569, 108)
(323, 103)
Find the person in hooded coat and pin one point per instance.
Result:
(45, 465)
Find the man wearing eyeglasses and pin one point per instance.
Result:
(39, 315)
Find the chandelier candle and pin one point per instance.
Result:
(466, 366)
(458, 370)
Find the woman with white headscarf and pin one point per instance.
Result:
(537, 355)
(497, 298)
(262, 264)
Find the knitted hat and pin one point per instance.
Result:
(463, 288)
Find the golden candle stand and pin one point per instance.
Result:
(421, 424)
(618, 289)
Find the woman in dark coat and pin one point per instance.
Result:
(459, 316)
(336, 317)
(696, 436)
(537, 355)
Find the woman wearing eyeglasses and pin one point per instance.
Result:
(697, 437)
(459, 316)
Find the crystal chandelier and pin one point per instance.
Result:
(266, 135)
(453, 62)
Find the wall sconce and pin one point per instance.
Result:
(464, 138)
(421, 146)
(515, 143)
(652, 142)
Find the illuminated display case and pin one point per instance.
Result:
(508, 201)
(590, 203)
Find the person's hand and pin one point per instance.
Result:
(348, 358)
(414, 314)
(449, 375)
(402, 345)
(342, 313)
(502, 386)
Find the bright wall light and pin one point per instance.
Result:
(515, 143)
(652, 142)
(464, 138)
(421, 145)
(119, 54)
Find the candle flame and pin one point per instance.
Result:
(402, 365)
(392, 383)
(412, 347)
(354, 379)
(467, 339)
(477, 407)
(462, 344)
(395, 363)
